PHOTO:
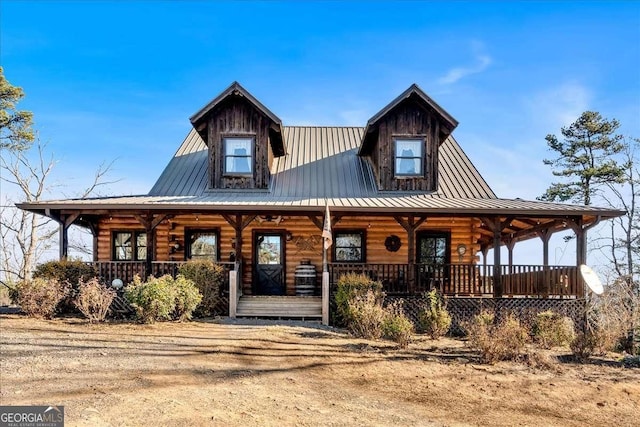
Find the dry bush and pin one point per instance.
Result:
(433, 318)
(366, 315)
(613, 315)
(538, 359)
(396, 326)
(39, 297)
(208, 278)
(94, 299)
(350, 286)
(551, 329)
(501, 340)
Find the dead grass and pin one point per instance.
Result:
(205, 373)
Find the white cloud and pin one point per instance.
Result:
(482, 61)
(560, 105)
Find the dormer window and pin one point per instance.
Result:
(409, 157)
(238, 155)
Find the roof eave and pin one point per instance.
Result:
(234, 88)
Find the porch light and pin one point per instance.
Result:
(175, 247)
(117, 284)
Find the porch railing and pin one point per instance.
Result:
(126, 270)
(468, 279)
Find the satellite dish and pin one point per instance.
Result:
(591, 279)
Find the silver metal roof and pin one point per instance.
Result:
(321, 162)
(322, 167)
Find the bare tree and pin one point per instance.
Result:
(24, 236)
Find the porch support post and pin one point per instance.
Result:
(150, 222)
(93, 226)
(410, 225)
(545, 235)
(580, 229)
(496, 226)
(511, 243)
(65, 222)
(239, 223)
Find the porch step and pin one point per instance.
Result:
(280, 306)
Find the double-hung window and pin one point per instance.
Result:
(129, 246)
(238, 155)
(349, 246)
(409, 157)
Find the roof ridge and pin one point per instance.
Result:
(323, 126)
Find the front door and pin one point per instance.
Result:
(269, 265)
(432, 255)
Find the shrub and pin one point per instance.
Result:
(366, 315)
(502, 340)
(584, 344)
(154, 299)
(350, 286)
(163, 298)
(94, 299)
(433, 317)
(70, 271)
(396, 326)
(39, 297)
(187, 298)
(551, 329)
(67, 272)
(208, 278)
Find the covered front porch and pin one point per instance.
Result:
(398, 280)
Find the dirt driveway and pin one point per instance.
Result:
(226, 374)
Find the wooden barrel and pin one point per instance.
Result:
(305, 277)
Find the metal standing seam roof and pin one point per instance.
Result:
(321, 162)
(322, 167)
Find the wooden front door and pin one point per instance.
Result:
(269, 264)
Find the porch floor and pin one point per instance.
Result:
(285, 307)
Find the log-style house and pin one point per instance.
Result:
(407, 207)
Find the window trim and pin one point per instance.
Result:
(363, 246)
(134, 244)
(188, 232)
(250, 157)
(421, 157)
(434, 234)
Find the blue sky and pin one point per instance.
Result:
(118, 80)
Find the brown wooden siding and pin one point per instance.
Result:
(236, 116)
(408, 119)
(306, 242)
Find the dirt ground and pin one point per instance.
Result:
(244, 374)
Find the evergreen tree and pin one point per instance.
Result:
(15, 126)
(585, 158)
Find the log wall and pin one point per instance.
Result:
(306, 241)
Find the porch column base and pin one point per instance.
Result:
(325, 298)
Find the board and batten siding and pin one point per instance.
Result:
(237, 117)
(306, 241)
(406, 121)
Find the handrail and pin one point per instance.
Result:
(468, 279)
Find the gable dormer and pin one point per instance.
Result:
(402, 142)
(243, 138)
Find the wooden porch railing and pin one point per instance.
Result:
(468, 279)
(126, 270)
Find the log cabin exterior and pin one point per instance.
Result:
(407, 207)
